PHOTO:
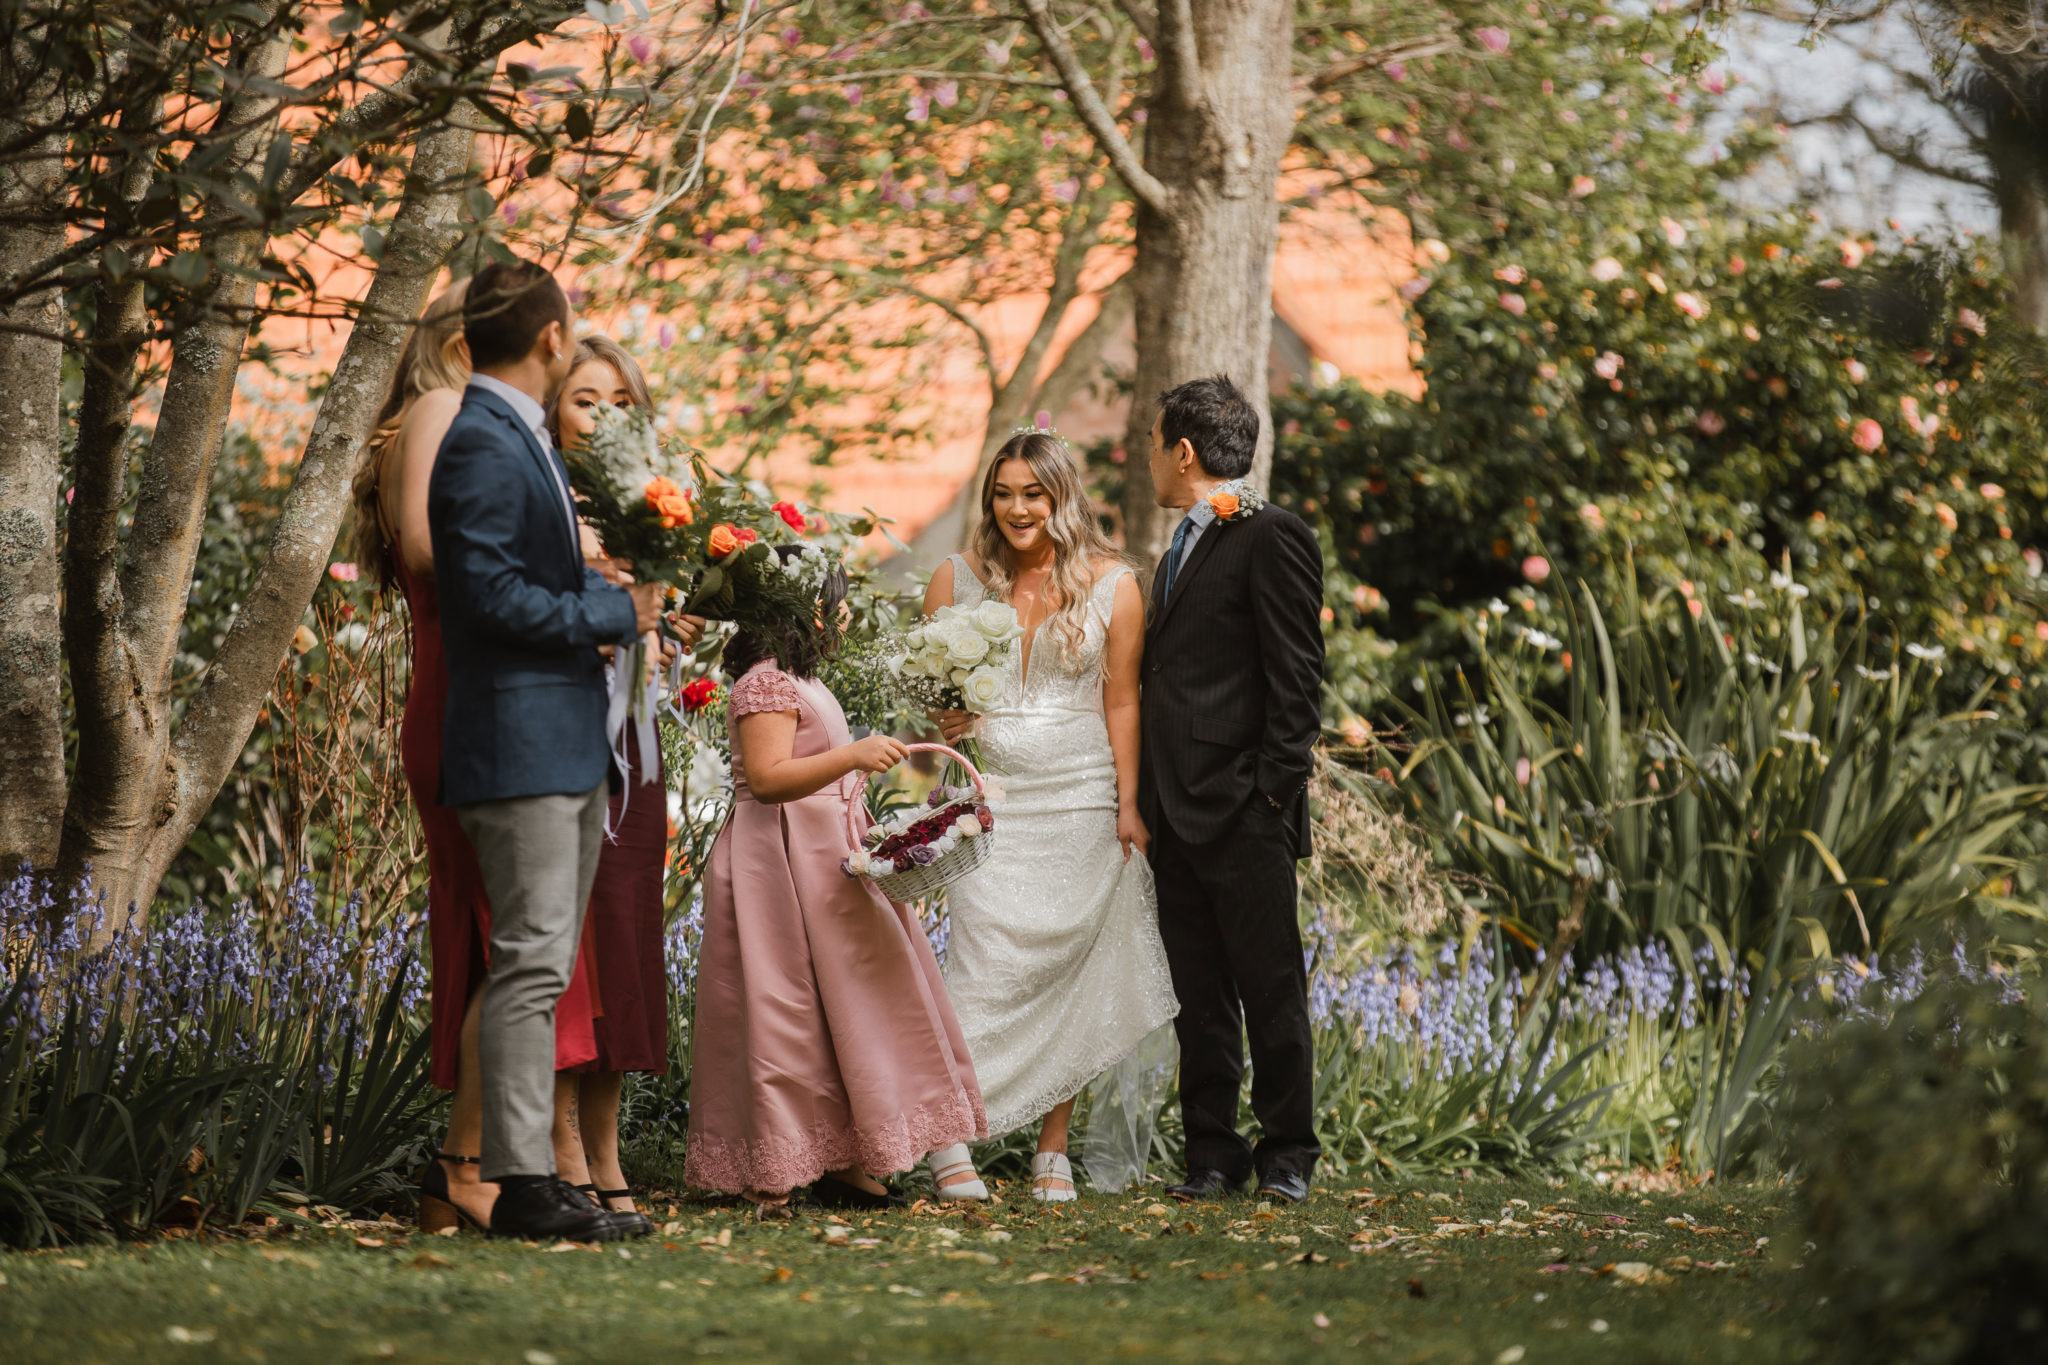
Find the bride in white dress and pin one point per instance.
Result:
(1054, 962)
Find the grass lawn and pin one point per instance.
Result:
(1480, 1271)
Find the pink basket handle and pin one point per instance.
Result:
(980, 782)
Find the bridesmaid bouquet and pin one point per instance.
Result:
(713, 540)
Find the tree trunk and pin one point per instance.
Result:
(123, 635)
(31, 472)
(223, 712)
(1217, 120)
(2009, 91)
(2023, 232)
(1217, 123)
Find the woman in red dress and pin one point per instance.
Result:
(392, 543)
(623, 929)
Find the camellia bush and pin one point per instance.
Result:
(1718, 405)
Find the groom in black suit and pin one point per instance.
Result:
(1232, 707)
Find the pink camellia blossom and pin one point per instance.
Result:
(642, 47)
(1457, 140)
(1909, 408)
(1144, 50)
(1711, 423)
(1655, 281)
(754, 244)
(509, 211)
(1606, 270)
(1946, 514)
(667, 335)
(1067, 191)
(920, 107)
(1414, 289)
(1867, 435)
(792, 36)
(1494, 40)
(1396, 71)
(1713, 82)
(1583, 185)
(1689, 304)
(1971, 319)
(961, 194)
(1522, 772)
(1853, 253)
(1511, 274)
(1590, 514)
(1536, 568)
(852, 93)
(1737, 266)
(1514, 303)
(1546, 371)
(947, 93)
(1674, 231)
(1990, 491)
(1608, 365)
(1857, 370)
(1695, 606)
(343, 572)
(1048, 141)
(2033, 558)
(2041, 630)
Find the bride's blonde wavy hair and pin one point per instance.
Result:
(1078, 542)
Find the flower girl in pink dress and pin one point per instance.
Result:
(825, 1050)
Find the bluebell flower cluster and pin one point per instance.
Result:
(230, 984)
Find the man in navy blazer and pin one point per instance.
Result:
(524, 759)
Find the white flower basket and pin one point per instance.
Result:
(918, 882)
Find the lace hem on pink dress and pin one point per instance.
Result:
(782, 1162)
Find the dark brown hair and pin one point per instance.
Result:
(507, 308)
(797, 647)
(1214, 417)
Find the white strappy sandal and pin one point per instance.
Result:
(1046, 1168)
(954, 1176)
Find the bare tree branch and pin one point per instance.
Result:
(1101, 122)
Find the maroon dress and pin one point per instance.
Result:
(458, 911)
(623, 930)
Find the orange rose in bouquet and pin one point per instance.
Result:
(670, 503)
(727, 538)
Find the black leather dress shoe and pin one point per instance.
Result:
(1285, 1186)
(553, 1210)
(1203, 1183)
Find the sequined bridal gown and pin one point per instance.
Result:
(1054, 961)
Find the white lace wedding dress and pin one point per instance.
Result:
(1054, 961)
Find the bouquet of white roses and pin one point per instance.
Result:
(956, 659)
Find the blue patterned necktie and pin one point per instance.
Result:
(1173, 552)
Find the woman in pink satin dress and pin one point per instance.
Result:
(825, 1050)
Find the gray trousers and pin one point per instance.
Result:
(539, 856)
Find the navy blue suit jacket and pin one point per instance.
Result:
(521, 616)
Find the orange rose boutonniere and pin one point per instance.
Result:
(1235, 500)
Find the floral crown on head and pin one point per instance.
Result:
(1034, 429)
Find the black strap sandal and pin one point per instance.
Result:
(605, 1197)
(589, 1190)
(438, 1209)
